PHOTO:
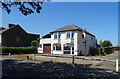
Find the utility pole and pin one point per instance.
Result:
(85, 41)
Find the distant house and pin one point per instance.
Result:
(70, 39)
(16, 36)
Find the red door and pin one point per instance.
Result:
(47, 48)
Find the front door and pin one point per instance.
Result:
(47, 48)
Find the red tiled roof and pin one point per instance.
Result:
(70, 27)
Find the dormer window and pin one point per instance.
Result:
(57, 35)
(69, 34)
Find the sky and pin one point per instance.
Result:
(99, 18)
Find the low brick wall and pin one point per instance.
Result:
(21, 56)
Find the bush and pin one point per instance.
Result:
(101, 51)
(108, 50)
(18, 50)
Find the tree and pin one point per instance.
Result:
(25, 8)
(35, 43)
(107, 44)
(101, 43)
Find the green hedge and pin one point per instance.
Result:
(18, 50)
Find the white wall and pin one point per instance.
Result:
(77, 41)
(0, 40)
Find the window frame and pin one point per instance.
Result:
(56, 47)
(40, 46)
(57, 35)
(69, 34)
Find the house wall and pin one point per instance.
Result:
(0, 40)
(79, 46)
(17, 37)
(90, 43)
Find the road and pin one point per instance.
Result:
(20, 69)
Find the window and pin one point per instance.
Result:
(56, 47)
(40, 45)
(70, 34)
(92, 38)
(17, 39)
(82, 36)
(67, 48)
(56, 35)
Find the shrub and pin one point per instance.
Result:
(108, 50)
(18, 50)
(101, 51)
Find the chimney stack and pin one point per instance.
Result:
(10, 25)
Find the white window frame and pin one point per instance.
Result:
(70, 34)
(57, 33)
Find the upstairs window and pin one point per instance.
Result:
(69, 34)
(56, 35)
(92, 38)
(82, 36)
(17, 39)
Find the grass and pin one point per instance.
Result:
(118, 72)
(113, 55)
(98, 64)
(70, 64)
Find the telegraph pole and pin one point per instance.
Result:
(85, 41)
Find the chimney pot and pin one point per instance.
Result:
(10, 25)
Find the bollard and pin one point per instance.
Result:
(9, 55)
(33, 57)
(73, 60)
(117, 69)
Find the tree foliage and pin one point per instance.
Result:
(25, 8)
(35, 43)
(105, 43)
(101, 43)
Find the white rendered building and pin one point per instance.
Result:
(67, 40)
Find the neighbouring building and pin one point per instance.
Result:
(70, 39)
(16, 36)
(115, 48)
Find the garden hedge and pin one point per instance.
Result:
(19, 50)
